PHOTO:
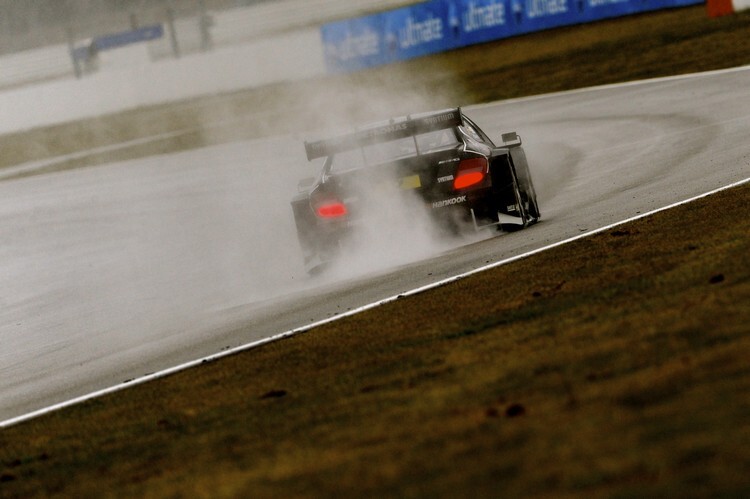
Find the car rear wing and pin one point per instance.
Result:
(395, 129)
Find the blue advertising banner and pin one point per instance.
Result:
(116, 40)
(439, 25)
(108, 42)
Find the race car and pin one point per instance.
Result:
(443, 158)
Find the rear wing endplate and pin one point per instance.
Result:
(396, 129)
(511, 139)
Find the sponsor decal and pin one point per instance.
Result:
(449, 202)
(332, 146)
(543, 8)
(385, 130)
(442, 118)
(599, 3)
(354, 46)
(411, 182)
(476, 17)
(418, 33)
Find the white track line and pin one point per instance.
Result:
(660, 79)
(33, 166)
(255, 344)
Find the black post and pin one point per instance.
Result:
(173, 33)
(206, 22)
(72, 50)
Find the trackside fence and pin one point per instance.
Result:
(441, 25)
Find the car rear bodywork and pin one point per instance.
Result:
(442, 159)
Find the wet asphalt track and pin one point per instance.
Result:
(114, 272)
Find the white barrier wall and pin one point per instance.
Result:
(287, 57)
(35, 65)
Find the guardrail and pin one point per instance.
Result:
(441, 25)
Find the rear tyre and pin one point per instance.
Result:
(320, 255)
(524, 215)
(526, 186)
(533, 208)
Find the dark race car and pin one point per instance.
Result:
(443, 158)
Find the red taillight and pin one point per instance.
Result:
(470, 172)
(332, 209)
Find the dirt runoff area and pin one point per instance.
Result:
(571, 383)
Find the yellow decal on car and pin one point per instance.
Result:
(411, 182)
